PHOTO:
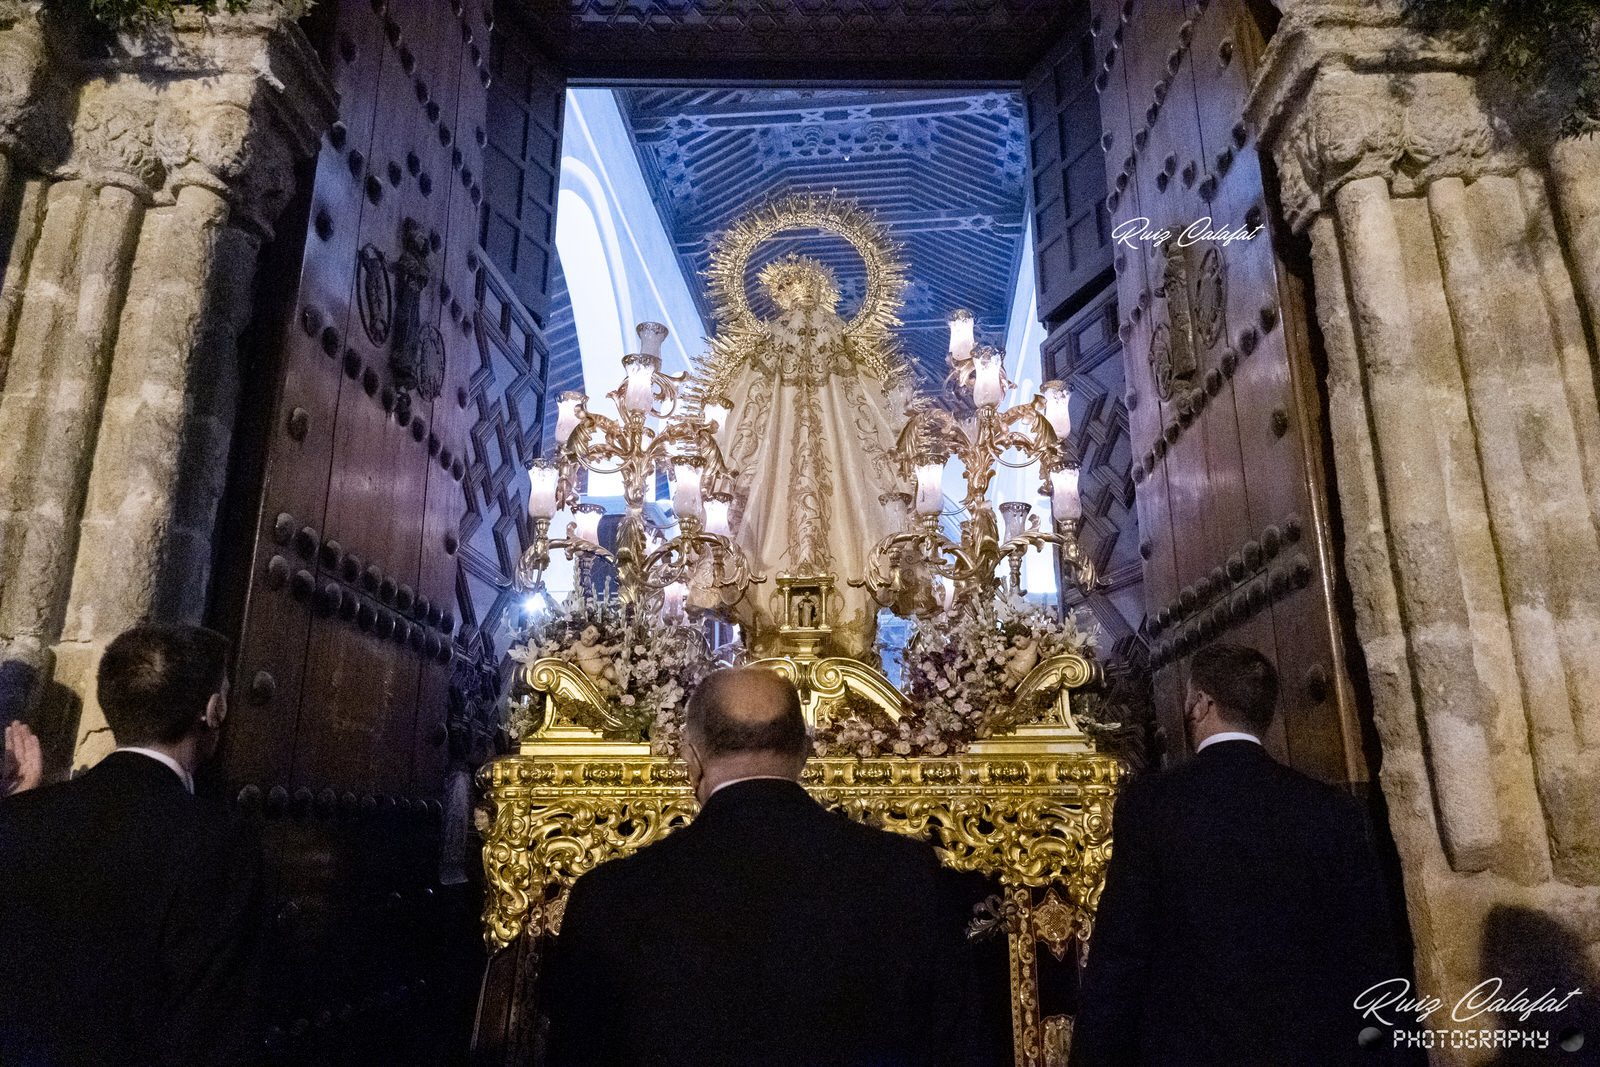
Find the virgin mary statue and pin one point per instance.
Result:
(816, 401)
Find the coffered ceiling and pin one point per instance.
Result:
(943, 170)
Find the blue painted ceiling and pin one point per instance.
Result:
(943, 170)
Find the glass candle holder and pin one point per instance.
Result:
(570, 408)
(1065, 503)
(543, 478)
(719, 514)
(687, 473)
(1056, 412)
(586, 517)
(1015, 515)
(988, 378)
(930, 487)
(961, 327)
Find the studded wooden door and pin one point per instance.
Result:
(407, 381)
(1222, 396)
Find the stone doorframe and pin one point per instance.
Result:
(140, 183)
(1456, 250)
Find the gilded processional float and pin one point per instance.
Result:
(807, 497)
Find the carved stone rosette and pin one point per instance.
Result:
(1039, 822)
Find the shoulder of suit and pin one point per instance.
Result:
(623, 869)
(909, 850)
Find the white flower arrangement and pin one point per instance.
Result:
(643, 666)
(961, 673)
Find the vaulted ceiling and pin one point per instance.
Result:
(943, 170)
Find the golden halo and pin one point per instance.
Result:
(737, 324)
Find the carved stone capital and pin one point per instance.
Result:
(229, 102)
(1349, 92)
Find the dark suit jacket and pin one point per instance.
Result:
(1243, 912)
(127, 914)
(769, 932)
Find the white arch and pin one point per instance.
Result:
(579, 182)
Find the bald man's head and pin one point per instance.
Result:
(745, 712)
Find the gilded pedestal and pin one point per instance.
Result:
(1032, 809)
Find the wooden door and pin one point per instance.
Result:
(1221, 386)
(1078, 307)
(405, 397)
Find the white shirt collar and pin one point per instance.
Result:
(748, 778)
(1227, 735)
(162, 757)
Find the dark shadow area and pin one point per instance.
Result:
(1534, 955)
(51, 712)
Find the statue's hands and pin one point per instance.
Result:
(24, 761)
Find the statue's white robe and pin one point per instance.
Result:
(812, 435)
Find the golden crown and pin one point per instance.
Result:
(796, 275)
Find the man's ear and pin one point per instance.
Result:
(216, 711)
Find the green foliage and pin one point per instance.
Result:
(1547, 48)
(127, 14)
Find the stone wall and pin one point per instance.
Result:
(139, 179)
(1456, 249)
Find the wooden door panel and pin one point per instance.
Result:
(261, 733)
(360, 683)
(1224, 476)
(1072, 247)
(353, 620)
(447, 442)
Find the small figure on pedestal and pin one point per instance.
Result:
(1022, 657)
(589, 656)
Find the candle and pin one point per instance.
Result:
(988, 378)
(896, 510)
(1065, 504)
(718, 514)
(961, 335)
(569, 412)
(673, 599)
(1015, 514)
(686, 500)
(638, 392)
(930, 488)
(542, 479)
(586, 517)
(651, 334)
(716, 411)
(1056, 411)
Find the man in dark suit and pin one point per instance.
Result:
(127, 906)
(1243, 910)
(769, 932)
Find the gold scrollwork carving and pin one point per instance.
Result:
(1031, 808)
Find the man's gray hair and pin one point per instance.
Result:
(746, 709)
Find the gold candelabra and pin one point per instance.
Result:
(918, 569)
(649, 435)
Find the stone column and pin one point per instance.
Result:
(1452, 293)
(117, 409)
